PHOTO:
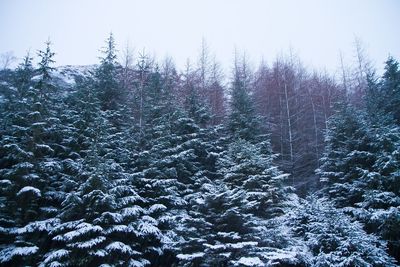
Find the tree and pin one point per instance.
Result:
(250, 168)
(31, 170)
(6, 60)
(43, 84)
(359, 170)
(242, 122)
(334, 239)
(195, 103)
(349, 155)
(216, 95)
(390, 89)
(106, 78)
(23, 75)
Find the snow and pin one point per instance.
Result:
(41, 226)
(200, 201)
(36, 78)
(120, 229)
(279, 255)
(18, 149)
(232, 245)
(243, 244)
(136, 263)
(101, 253)
(33, 190)
(65, 76)
(190, 256)
(232, 235)
(24, 165)
(68, 225)
(129, 200)
(380, 214)
(31, 177)
(39, 125)
(83, 228)
(215, 247)
(9, 253)
(53, 166)
(282, 176)
(149, 219)
(131, 211)
(88, 244)
(5, 183)
(115, 217)
(44, 148)
(250, 261)
(122, 248)
(146, 228)
(157, 207)
(55, 255)
(63, 79)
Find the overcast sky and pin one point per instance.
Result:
(315, 30)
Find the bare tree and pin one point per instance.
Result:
(363, 68)
(127, 63)
(7, 59)
(344, 74)
(204, 65)
(144, 66)
(216, 93)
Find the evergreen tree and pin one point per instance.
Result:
(250, 168)
(390, 88)
(334, 239)
(23, 75)
(106, 76)
(195, 103)
(242, 122)
(348, 157)
(43, 84)
(31, 170)
(359, 170)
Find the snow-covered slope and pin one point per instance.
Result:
(67, 76)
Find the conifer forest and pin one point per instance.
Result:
(134, 162)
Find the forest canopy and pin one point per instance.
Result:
(133, 162)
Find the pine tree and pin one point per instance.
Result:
(31, 171)
(348, 158)
(23, 75)
(390, 88)
(250, 168)
(194, 101)
(106, 77)
(242, 122)
(334, 239)
(43, 84)
(360, 169)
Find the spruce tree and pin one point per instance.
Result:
(242, 122)
(106, 76)
(348, 157)
(45, 68)
(390, 88)
(23, 75)
(32, 169)
(334, 239)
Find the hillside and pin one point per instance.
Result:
(143, 165)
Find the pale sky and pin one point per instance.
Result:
(315, 30)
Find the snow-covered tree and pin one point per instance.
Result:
(348, 157)
(106, 76)
(243, 122)
(335, 239)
